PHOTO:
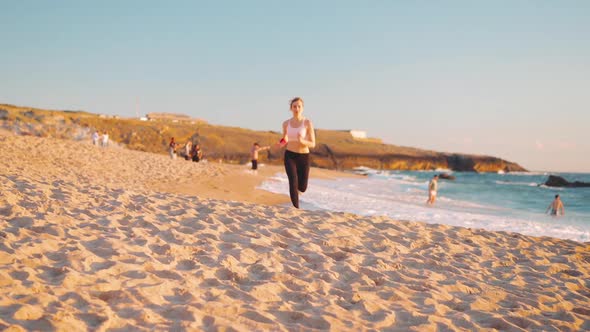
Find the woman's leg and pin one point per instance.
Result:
(302, 171)
(291, 169)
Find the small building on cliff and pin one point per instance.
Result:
(358, 134)
(361, 135)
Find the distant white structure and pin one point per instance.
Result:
(358, 134)
(361, 135)
(143, 118)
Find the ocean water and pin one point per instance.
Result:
(513, 202)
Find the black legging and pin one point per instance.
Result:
(297, 167)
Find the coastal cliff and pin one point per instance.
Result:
(335, 150)
(455, 162)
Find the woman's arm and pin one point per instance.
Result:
(284, 139)
(308, 141)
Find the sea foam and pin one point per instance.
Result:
(402, 196)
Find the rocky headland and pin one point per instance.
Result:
(336, 149)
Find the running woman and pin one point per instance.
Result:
(299, 137)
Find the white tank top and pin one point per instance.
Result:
(294, 133)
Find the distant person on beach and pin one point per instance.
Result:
(556, 207)
(95, 137)
(187, 150)
(172, 148)
(432, 188)
(254, 154)
(298, 137)
(105, 139)
(197, 154)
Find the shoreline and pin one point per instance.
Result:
(88, 243)
(240, 184)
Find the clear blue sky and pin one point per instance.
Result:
(503, 78)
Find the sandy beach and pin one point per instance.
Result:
(111, 239)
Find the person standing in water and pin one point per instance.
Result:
(298, 137)
(432, 188)
(254, 154)
(556, 207)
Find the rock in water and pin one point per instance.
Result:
(446, 176)
(558, 181)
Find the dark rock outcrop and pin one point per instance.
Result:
(446, 176)
(558, 181)
(461, 163)
(475, 163)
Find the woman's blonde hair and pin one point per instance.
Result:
(296, 99)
